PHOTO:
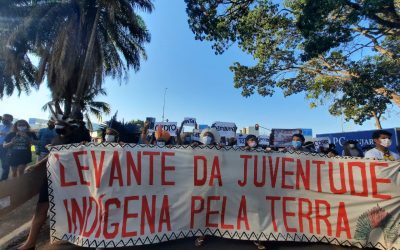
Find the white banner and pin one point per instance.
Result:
(136, 194)
(171, 127)
(225, 129)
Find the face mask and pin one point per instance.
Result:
(325, 146)
(385, 142)
(206, 140)
(296, 144)
(160, 143)
(51, 126)
(252, 144)
(352, 145)
(6, 122)
(187, 139)
(22, 128)
(110, 138)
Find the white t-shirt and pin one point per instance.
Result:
(377, 154)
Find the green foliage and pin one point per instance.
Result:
(78, 43)
(310, 46)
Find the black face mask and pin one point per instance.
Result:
(51, 126)
(6, 122)
(60, 131)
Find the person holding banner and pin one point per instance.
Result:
(309, 145)
(351, 148)
(251, 142)
(298, 143)
(382, 140)
(208, 136)
(18, 144)
(184, 138)
(162, 137)
(65, 135)
(111, 135)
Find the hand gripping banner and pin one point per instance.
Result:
(113, 196)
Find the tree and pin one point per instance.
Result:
(331, 50)
(138, 123)
(90, 106)
(78, 43)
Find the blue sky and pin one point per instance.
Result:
(199, 84)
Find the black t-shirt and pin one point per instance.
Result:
(21, 143)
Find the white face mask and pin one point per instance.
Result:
(22, 128)
(252, 144)
(160, 143)
(206, 140)
(385, 142)
(110, 138)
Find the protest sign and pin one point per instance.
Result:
(321, 141)
(171, 127)
(196, 135)
(226, 129)
(151, 121)
(133, 195)
(263, 140)
(189, 122)
(283, 137)
(241, 140)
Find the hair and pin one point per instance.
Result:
(310, 145)
(332, 151)
(300, 136)
(14, 127)
(8, 115)
(251, 137)
(378, 133)
(346, 149)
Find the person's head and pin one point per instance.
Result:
(332, 153)
(309, 145)
(251, 141)
(62, 128)
(298, 140)
(51, 124)
(111, 135)
(209, 136)
(21, 126)
(382, 138)
(232, 141)
(186, 138)
(7, 119)
(162, 137)
(351, 148)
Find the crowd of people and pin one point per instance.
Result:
(16, 140)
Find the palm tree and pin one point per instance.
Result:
(90, 107)
(78, 42)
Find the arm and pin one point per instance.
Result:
(9, 141)
(41, 165)
(143, 136)
(178, 135)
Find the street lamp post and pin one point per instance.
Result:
(163, 109)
